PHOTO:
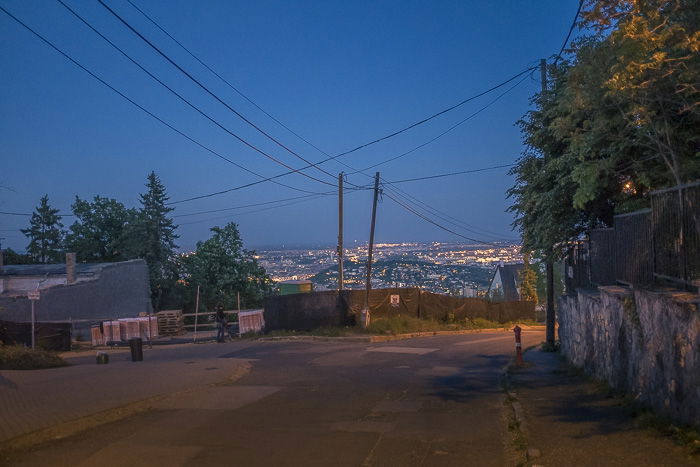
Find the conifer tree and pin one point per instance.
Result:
(45, 233)
(152, 237)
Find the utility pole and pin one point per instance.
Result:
(365, 318)
(549, 262)
(340, 231)
(196, 315)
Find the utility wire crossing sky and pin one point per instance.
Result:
(389, 74)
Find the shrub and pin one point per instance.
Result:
(17, 357)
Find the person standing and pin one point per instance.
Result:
(220, 323)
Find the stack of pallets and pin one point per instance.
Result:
(170, 322)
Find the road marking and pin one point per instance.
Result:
(409, 350)
(500, 338)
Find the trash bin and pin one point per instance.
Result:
(102, 358)
(136, 345)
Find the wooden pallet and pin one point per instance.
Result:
(170, 322)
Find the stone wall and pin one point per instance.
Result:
(644, 343)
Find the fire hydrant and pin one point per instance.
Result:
(518, 346)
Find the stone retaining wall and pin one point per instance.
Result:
(644, 343)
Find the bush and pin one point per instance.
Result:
(17, 357)
(401, 325)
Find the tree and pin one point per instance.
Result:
(98, 234)
(528, 281)
(616, 122)
(223, 268)
(657, 73)
(152, 237)
(45, 233)
(12, 257)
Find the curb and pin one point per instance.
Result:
(528, 454)
(386, 338)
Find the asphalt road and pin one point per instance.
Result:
(425, 401)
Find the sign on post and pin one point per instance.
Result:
(395, 300)
(33, 295)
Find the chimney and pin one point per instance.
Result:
(70, 268)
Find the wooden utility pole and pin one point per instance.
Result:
(340, 231)
(549, 262)
(365, 312)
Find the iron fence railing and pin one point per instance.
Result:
(602, 256)
(676, 233)
(633, 253)
(643, 247)
(577, 267)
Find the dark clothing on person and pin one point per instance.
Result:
(220, 324)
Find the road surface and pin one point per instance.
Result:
(423, 401)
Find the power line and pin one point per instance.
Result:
(166, 57)
(391, 135)
(197, 109)
(427, 119)
(442, 227)
(146, 111)
(24, 214)
(362, 171)
(247, 205)
(255, 211)
(430, 210)
(391, 159)
(212, 94)
(239, 92)
(14, 213)
(234, 88)
(571, 30)
(449, 174)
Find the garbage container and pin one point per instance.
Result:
(136, 345)
(102, 358)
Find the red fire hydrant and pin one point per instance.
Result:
(518, 346)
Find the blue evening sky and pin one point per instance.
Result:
(338, 73)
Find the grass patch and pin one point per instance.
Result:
(549, 347)
(642, 416)
(647, 419)
(408, 324)
(17, 357)
(323, 331)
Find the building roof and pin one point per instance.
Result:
(510, 279)
(51, 269)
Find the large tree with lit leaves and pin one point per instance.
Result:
(618, 120)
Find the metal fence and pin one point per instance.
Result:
(633, 248)
(577, 267)
(602, 256)
(676, 232)
(643, 247)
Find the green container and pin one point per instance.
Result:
(292, 287)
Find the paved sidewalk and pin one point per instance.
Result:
(36, 399)
(572, 424)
